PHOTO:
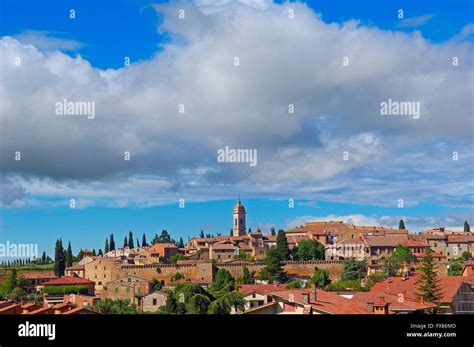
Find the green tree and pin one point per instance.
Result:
(225, 303)
(69, 255)
(282, 248)
(130, 239)
(222, 281)
(247, 277)
(353, 270)
(320, 278)
(177, 276)
(112, 243)
(119, 306)
(125, 242)
(181, 243)
(272, 231)
(155, 239)
(59, 259)
(309, 250)
(428, 283)
(466, 255)
(144, 244)
(100, 252)
(165, 237)
(467, 227)
(178, 256)
(106, 248)
(455, 269)
(401, 224)
(156, 285)
(201, 234)
(273, 270)
(198, 304)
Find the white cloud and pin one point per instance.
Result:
(47, 40)
(413, 22)
(282, 61)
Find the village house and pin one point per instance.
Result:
(457, 294)
(153, 301)
(128, 288)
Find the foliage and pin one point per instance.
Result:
(309, 250)
(177, 276)
(455, 269)
(294, 285)
(467, 227)
(273, 270)
(156, 285)
(372, 280)
(428, 283)
(343, 285)
(72, 289)
(226, 302)
(353, 270)
(401, 224)
(245, 256)
(282, 248)
(178, 256)
(320, 278)
(119, 306)
(59, 259)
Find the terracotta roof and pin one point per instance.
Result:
(79, 310)
(41, 310)
(461, 238)
(260, 288)
(413, 243)
(68, 280)
(393, 300)
(223, 246)
(385, 241)
(33, 275)
(76, 267)
(327, 302)
(396, 285)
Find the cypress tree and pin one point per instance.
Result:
(130, 239)
(106, 247)
(181, 243)
(144, 244)
(69, 255)
(138, 243)
(59, 259)
(467, 227)
(112, 243)
(125, 242)
(283, 251)
(93, 252)
(428, 283)
(100, 252)
(273, 232)
(401, 224)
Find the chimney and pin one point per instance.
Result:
(305, 297)
(313, 293)
(382, 301)
(370, 306)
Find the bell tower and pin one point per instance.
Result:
(239, 219)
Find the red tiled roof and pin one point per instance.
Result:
(68, 280)
(327, 302)
(260, 288)
(396, 285)
(394, 301)
(33, 275)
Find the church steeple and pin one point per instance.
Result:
(239, 219)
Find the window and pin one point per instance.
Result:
(254, 295)
(154, 302)
(105, 276)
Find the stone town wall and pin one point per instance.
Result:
(204, 272)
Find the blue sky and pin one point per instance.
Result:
(174, 158)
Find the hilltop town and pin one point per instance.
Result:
(328, 267)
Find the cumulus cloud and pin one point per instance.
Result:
(47, 40)
(282, 61)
